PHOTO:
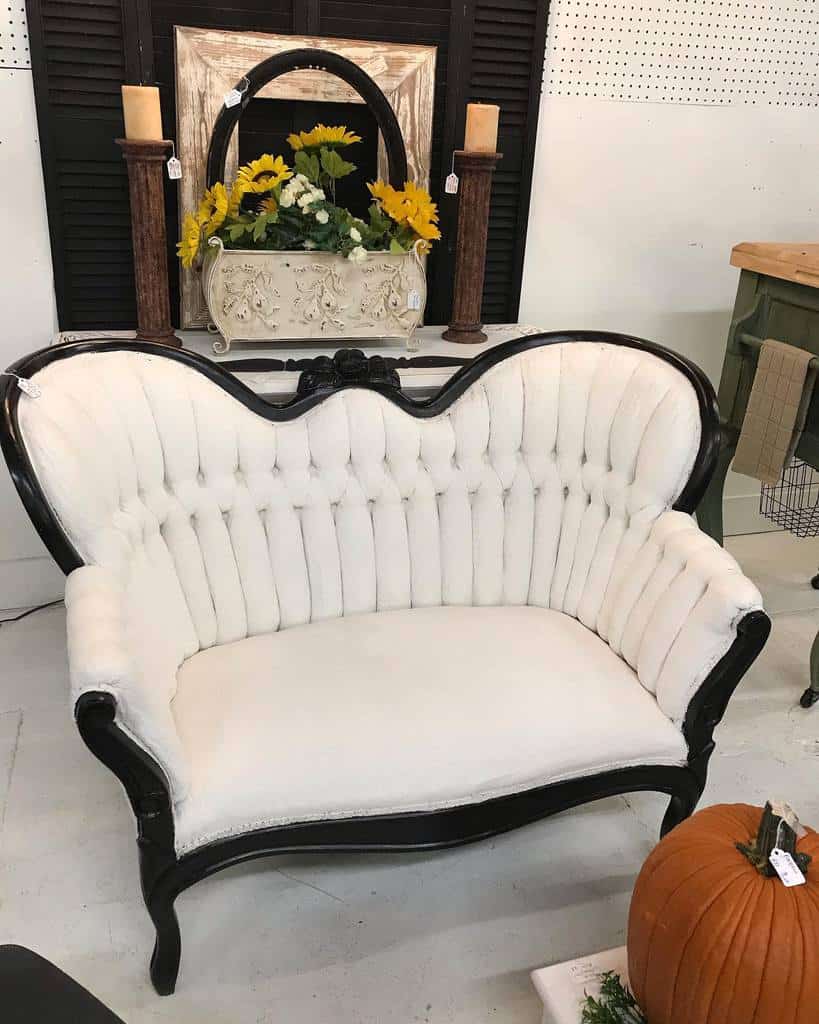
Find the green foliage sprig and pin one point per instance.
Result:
(616, 1004)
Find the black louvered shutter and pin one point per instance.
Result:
(508, 43)
(78, 63)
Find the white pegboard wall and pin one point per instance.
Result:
(714, 52)
(14, 52)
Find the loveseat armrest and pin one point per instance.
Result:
(107, 655)
(675, 609)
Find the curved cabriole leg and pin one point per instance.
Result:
(811, 695)
(168, 946)
(681, 807)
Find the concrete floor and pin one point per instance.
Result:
(438, 937)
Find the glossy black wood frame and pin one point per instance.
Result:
(165, 875)
(279, 64)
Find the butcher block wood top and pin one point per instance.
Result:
(790, 261)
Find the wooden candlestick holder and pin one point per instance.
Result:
(475, 172)
(146, 161)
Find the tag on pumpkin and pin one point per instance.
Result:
(789, 816)
(786, 867)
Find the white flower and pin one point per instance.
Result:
(286, 199)
(355, 234)
(305, 199)
(318, 193)
(299, 179)
(309, 243)
(322, 216)
(358, 254)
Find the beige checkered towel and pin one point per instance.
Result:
(776, 411)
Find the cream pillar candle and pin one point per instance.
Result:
(140, 105)
(481, 128)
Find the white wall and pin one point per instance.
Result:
(27, 321)
(636, 207)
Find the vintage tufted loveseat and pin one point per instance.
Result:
(358, 621)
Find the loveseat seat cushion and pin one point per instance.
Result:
(401, 711)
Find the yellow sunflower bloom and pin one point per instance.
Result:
(213, 209)
(380, 189)
(187, 248)
(396, 207)
(269, 205)
(264, 174)
(236, 195)
(421, 200)
(424, 228)
(323, 135)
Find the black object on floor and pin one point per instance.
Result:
(34, 991)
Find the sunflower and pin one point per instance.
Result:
(263, 175)
(213, 209)
(421, 200)
(322, 135)
(236, 195)
(396, 207)
(269, 205)
(390, 200)
(379, 189)
(423, 227)
(187, 248)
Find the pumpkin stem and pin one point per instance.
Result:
(773, 831)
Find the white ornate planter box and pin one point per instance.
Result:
(292, 296)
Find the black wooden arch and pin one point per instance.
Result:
(298, 60)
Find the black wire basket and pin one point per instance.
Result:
(793, 502)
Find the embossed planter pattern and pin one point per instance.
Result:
(294, 296)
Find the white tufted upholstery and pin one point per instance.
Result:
(548, 483)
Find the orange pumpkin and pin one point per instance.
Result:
(712, 940)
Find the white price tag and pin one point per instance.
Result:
(29, 387)
(786, 867)
(174, 169)
(414, 300)
(451, 184)
(232, 98)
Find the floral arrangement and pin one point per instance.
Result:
(273, 206)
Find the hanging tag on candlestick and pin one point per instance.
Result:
(234, 97)
(174, 166)
(451, 183)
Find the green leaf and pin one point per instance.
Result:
(308, 165)
(379, 223)
(259, 228)
(236, 231)
(395, 246)
(334, 165)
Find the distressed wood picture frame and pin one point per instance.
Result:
(209, 62)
